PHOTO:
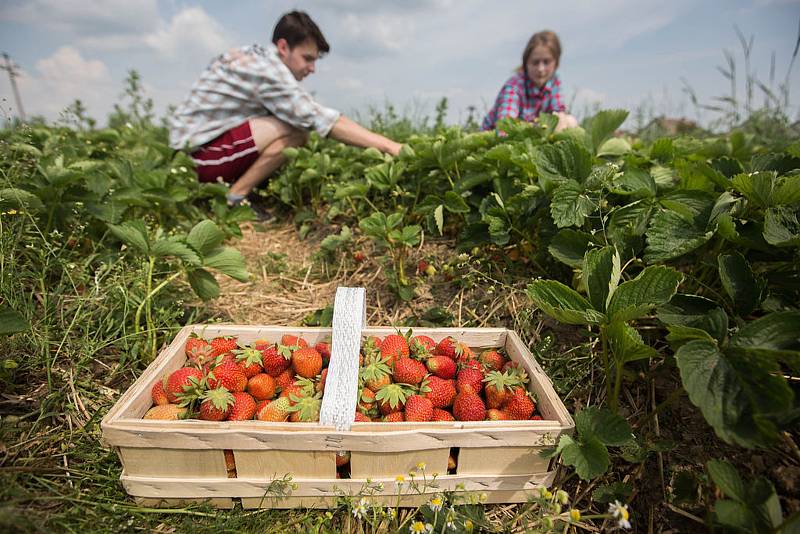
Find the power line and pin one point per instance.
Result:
(12, 75)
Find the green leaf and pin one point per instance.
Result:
(438, 215)
(671, 236)
(727, 478)
(662, 150)
(569, 246)
(781, 227)
(14, 198)
(602, 125)
(610, 428)
(570, 205)
(734, 514)
(228, 261)
(757, 187)
(205, 236)
(562, 303)
(562, 160)
(172, 246)
(635, 181)
(787, 191)
(741, 396)
(616, 146)
(739, 282)
(12, 322)
(601, 271)
(695, 312)
(203, 284)
(627, 344)
(654, 286)
(133, 234)
(455, 203)
(776, 335)
(589, 458)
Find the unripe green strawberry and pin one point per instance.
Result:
(168, 412)
(244, 407)
(276, 411)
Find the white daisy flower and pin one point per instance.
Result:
(620, 513)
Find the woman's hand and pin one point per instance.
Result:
(565, 120)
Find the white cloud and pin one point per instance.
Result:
(367, 35)
(190, 31)
(61, 79)
(79, 16)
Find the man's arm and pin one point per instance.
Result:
(352, 133)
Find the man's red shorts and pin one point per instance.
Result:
(226, 156)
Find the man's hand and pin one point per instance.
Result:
(352, 133)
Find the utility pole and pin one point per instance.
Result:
(12, 74)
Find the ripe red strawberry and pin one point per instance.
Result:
(249, 359)
(228, 357)
(359, 256)
(262, 386)
(182, 380)
(493, 414)
(306, 362)
(324, 349)
(469, 407)
(158, 393)
(392, 347)
(421, 346)
(366, 400)
(293, 342)
(536, 417)
(451, 348)
(392, 398)
(510, 364)
(394, 417)
(441, 392)
(244, 407)
(260, 404)
(441, 366)
(469, 376)
(492, 360)
(342, 458)
(285, 379)
(229, 375)
(409, 371)
(418, 408)
(276, 411)
(520, 406)
(274, 361)
(305, 407)
(361, 418)
(323, 377)
(216, 404)
(223, 344)
(499, 387)
(375, 373)
(442, 415)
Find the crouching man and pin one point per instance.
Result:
(248, 106)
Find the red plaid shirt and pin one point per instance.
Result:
(520, 98)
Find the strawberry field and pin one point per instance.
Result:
(656, 280)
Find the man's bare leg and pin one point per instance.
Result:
(271, 137)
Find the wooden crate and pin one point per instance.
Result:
(286, 465)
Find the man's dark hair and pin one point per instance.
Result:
(297, 27)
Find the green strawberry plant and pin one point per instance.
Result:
(192, 254)
(389, 233)
(609, 306)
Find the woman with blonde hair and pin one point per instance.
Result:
(535, 88)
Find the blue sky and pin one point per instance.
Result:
(617, 53)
